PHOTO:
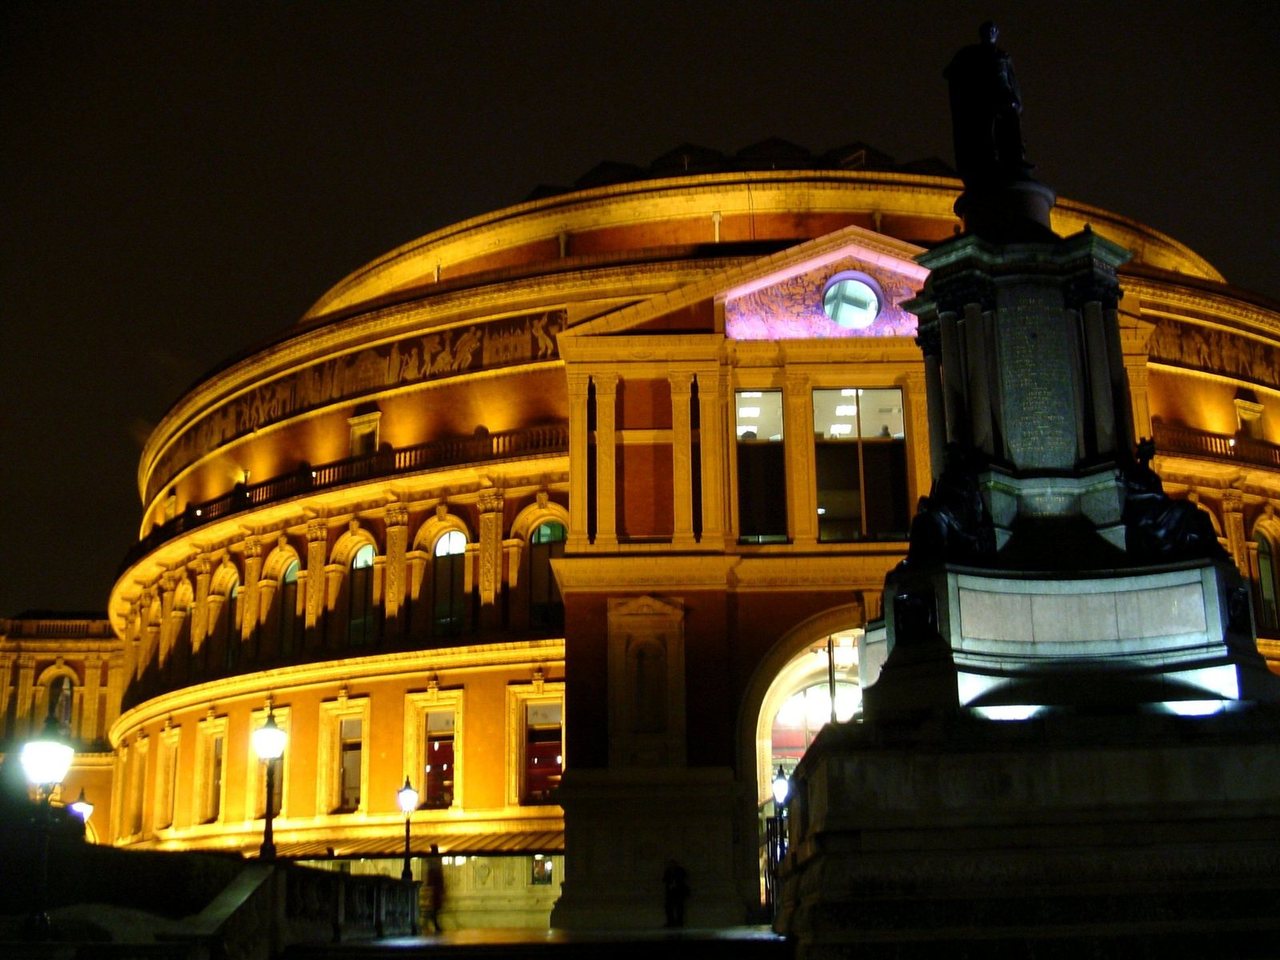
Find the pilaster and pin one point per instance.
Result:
(579, 454)
(681, 457)
(606, 460)
(713, 430)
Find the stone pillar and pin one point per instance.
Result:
(606, 460)
(681, 453)
(396, 568)
(797, 433)
(200, 607)
(579, 453)
(713, 433)
(490, 559)
(250, 601)
(317, 556)
(26, 696)
(168, 629)
(1233, 529)
(92, 694)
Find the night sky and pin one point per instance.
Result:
(182, 180)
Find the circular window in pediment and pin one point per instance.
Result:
(852, 300)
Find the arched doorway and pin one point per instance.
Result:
(818, 670)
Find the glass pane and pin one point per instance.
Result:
(759, 415)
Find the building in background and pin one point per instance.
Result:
(572, 514)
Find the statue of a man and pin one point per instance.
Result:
(985, 111)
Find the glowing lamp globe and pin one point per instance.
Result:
(269, 740)
(46, 760)
(781, 787)
(407, 797)
(82, 808)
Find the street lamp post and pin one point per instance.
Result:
(268, 744)
(45, 761)
(407, 797)
(776, 835)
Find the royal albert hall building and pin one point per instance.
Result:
(571, 514)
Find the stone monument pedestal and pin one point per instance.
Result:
(1129, 835)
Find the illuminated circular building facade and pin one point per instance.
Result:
(572, 513)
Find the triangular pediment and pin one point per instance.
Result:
(781, 296)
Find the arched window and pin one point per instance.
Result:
(546, 608)
(221, 639)
(1268, 588)
(448, 580)
(287, 621)
(230, 634)
(61, 699)
(360, 618)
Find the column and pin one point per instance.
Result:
(797, 435)
(317, 554)
(1233, 527)
(606, 460)
(92, 694)
(490, 566)
(250, 602)
(394, 573)
(713, 429)
(681, 458)
(579, 452)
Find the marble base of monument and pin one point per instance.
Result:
(1121, 835)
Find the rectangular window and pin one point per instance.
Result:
(762, 472)
(438, 766)
(213, 780)
(341, 761)
(860, 461)
(167, 779)
(350, 756)
(543, 752)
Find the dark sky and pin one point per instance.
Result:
(181, 180)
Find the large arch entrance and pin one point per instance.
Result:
(809, 679)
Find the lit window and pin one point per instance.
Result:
(288, 622)
(350, 761)
(1268, 586)
(860, 460)
(213, 779)
(361, 619)
(851, 301)
(448, 575)
(762, 489)
(543, 753)
(438, 769)
(546, 609)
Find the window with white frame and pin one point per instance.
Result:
(433, 721)
(256, 781)
(762, 467)
(211, 768)
(342, 758)
(860, 464)
(535, 741)
(543, 751)
(167, 778)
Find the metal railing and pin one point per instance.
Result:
(389, 461)
(1190, 442)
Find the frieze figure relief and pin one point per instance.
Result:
(514, 340)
